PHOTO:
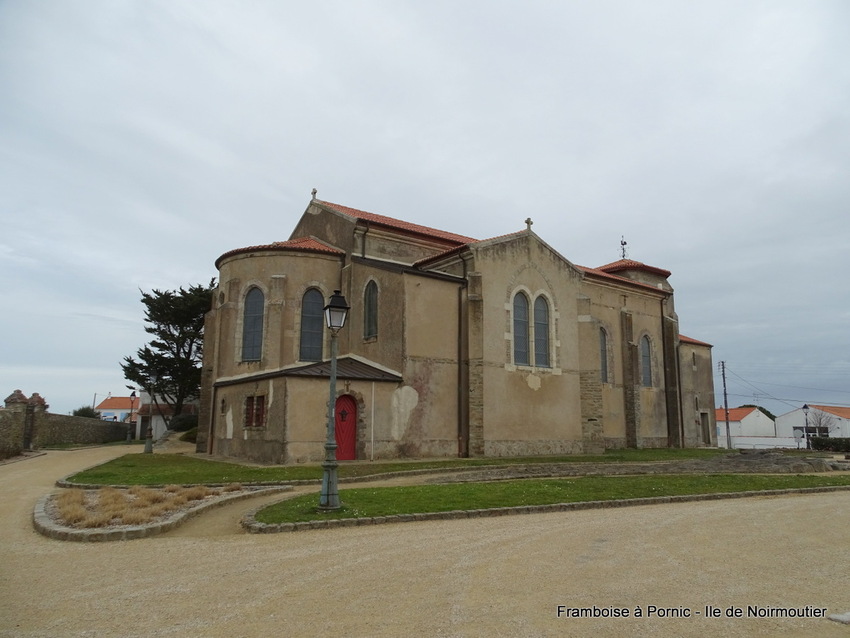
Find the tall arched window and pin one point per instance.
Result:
(312, 325)
(603, 355)
(645, 362)
(370, 311)
(521, 330)
(541, 332)
(252, 325)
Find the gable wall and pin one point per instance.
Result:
(528, 409)
(331, 228)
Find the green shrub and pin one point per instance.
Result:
(830, 444)
(190, 436)
(183, 422)
(86, 411)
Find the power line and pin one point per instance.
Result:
(794, 403)
(790, 402)
(797, 387)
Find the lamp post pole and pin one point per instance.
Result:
(806, 414)
(130, 422)
(149, 435)
(335, 313)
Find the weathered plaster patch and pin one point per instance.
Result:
(404, 401)
(533, 381)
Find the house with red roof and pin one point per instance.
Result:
(454, 346)
(748, 428)
(118, 409)
(815, 420)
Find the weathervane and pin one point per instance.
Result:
(623, 243)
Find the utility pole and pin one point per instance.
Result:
(726, 405)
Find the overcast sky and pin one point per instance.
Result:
(140, 140)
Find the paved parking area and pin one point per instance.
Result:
(477, 577)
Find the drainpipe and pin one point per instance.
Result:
(462, 369)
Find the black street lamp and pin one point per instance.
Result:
(335, 314)
(130, 422)
(152, 379)
(806, 414)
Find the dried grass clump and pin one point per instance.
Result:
(179, 499)
(71, 497)
(135, 506)
(73, 514)
(145, 496)
(199, 492)
(98, 519)
(135, 517)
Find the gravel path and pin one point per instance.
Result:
(476, 577)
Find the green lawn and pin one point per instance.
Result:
(365, 502)
(166, 469)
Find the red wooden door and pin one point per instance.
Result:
(346, 428)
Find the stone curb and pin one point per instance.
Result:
(253, 526)
(63, 482)
(46, 526)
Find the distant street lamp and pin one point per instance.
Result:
(335, 314)
(806, 414)
(149, 436)
(130, 422)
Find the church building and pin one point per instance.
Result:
(453, 347)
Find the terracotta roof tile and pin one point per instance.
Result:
(596, 272)
(694, 341)
(397, 223)
(841, 412)
(631, 264)
(302, 244)
(735, 414)
(117, 403)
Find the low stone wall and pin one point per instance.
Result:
(53, 429)
(57, 429)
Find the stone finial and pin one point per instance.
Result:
(528, 223)
(314, 193)
(16, 397)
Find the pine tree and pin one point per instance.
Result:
(169, 367)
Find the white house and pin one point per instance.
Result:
(154, 412)
(750, 428)
(821, 420)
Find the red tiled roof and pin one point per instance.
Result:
(398, 224)
(117, 403)
(693, 341)
(735, 414)
(844, 413)
(631, 264)
(303, 244)
(623, 280)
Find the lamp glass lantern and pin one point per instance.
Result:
(336, 311)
